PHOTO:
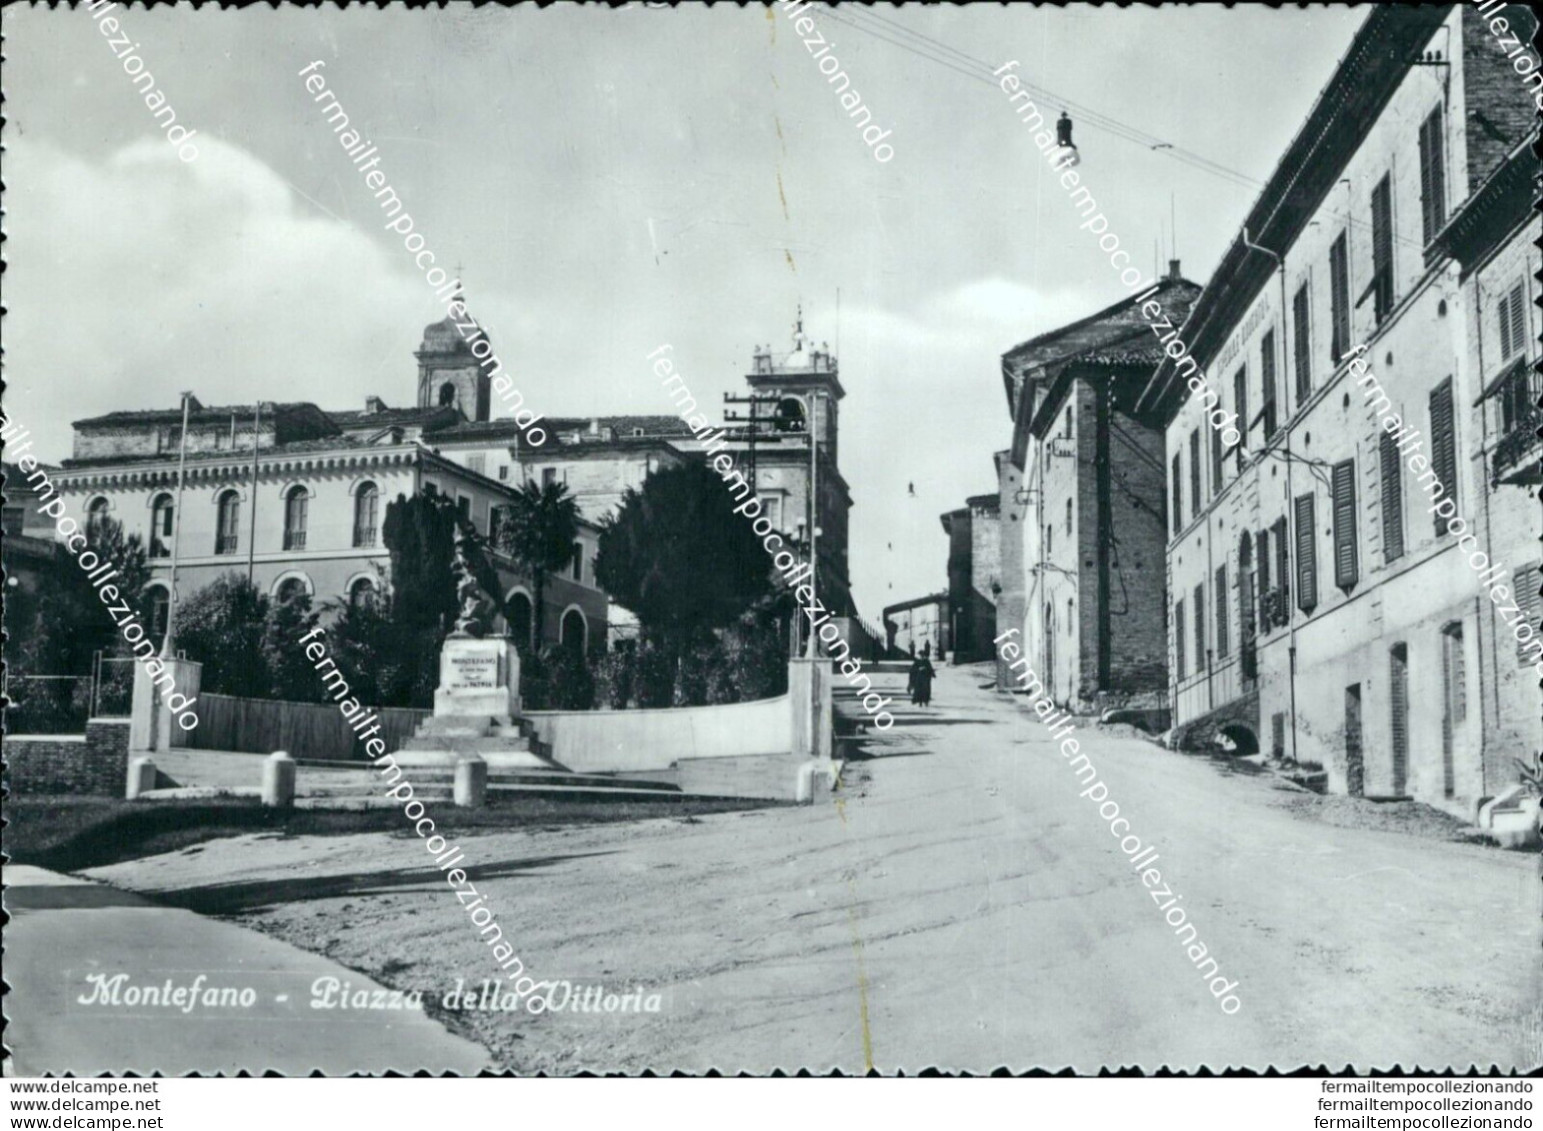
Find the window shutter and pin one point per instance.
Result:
(1216, 462)
(1178, 495)
(1443, 446)
(1433, 195)
(1346, 564)
(1382, 248)
(1178, 639)
(1282, 566)
(1302, 339)
(1264, 582)
(1200, 663)
(1513, 333)
(1223, 641)
(1339, 299)
(1525, 590)
(1196, 502)
(1267, 383)
(1392, 499)
(1307, 554)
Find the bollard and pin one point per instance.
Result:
(279, 780)
(471, 782)
(141, 777)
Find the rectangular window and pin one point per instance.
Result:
(1216, 462)
(1392, 498)
(1339, 300)
(1302, 340)
(1347, 566)
(1178, 639)
(1240, 405)
(1266, 621)
(477, 463)
(578, 561)
(1178, 495)
(1282, 570)
(1443, 445)
(1525, 590)
(1267, 385)
(1200, 657)
(1433, 177)
(548, 476)
(1196, 502)
(463, 505)
(1513, 322)
(503, 471)
(1307, 554)
(1223, 637)
(1382, 249)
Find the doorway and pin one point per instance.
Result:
(1398, 698)
(1355, 765)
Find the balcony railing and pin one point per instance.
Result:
(1521, 439)
(225, 544)
(294, 539)
(364, 536)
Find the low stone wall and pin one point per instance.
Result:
(599, 742)
(96, 763)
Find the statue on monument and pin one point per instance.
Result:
(477, 608)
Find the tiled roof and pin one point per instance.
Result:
(359, 418)
(276, 451)
(204, 414)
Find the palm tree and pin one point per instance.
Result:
(538, 532)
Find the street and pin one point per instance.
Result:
(959, 907)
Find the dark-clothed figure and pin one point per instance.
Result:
(919, 681)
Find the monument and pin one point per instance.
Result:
(477, 702)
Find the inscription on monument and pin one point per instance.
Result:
(472, 672)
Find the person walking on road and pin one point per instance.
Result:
(919, 681)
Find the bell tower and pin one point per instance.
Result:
(792, 377)
(449, 367)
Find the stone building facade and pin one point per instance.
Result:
(974, 575)
(918, 624)
(1305, 566)
(1083, 494)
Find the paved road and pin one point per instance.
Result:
(68, 940)
(961, 907)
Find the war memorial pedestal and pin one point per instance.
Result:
(476, 709)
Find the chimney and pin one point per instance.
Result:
(1173, 268)
(374, 404)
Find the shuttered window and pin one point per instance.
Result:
(1382, 249)
(1347, 564)
(1513, 323)
(1392, 498)
(1301, 332)
(1282, 566)
(1178, 639)
(1339, 300)
(1178, 495)
(1200, 661)
(1265, 622)
(1223, 637)
(1267, 384)
(1196, 502)
(1216, 462)
(1433, 177)
(1443, 447)
(1525, 590)
(1307, 554)
(1240, 405)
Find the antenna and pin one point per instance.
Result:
(1173, 229)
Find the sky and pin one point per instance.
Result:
(611, 180)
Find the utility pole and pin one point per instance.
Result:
(814, 560)
(168, 645)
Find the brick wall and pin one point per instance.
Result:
(1138, 641)
(1494, 88)
(95, 764)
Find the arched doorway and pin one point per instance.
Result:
(517, 611)
(574, 632)
(1244, 741)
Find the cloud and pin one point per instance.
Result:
(139, 276)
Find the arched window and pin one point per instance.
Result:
(366, 506)
(574, 631)
(790, 415)
(227, 537)
(296, 504)
(290, 589)
(446, 395)
(163, 516)
(96, 514)
(361, 594)
(160, 604)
